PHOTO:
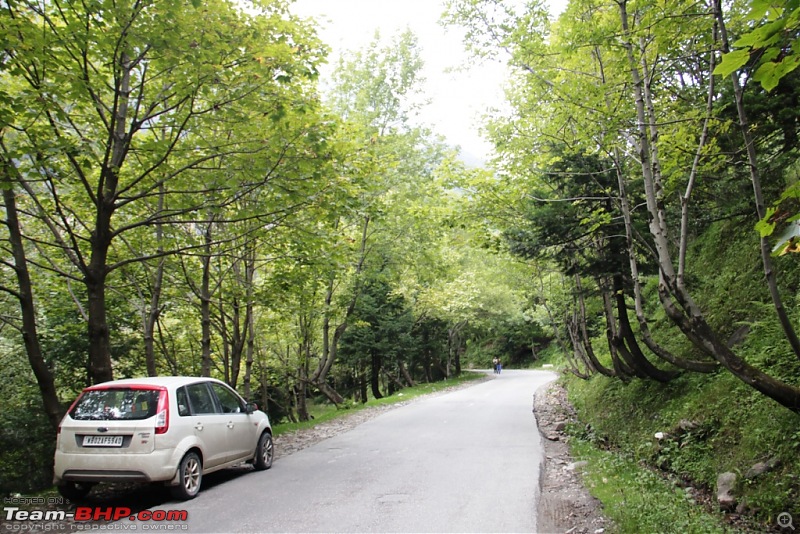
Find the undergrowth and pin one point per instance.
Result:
(638, 500)
(692, 430)
(698, 426)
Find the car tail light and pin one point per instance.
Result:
(162, 413)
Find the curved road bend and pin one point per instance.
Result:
(465, 461)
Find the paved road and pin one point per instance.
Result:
(466, 461)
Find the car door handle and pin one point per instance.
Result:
(230, 424)
(198, 426)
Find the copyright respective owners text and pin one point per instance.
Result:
(54, 514)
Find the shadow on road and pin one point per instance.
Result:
(141, 496)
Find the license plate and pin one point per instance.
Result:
(102, 441)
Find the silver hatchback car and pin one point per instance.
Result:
(160, 429)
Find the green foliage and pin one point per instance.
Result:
(709, 424)
(375, 86)
(27, 441)
(639, 500)
(381, 337)
(773, 42)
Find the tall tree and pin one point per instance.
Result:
(371, 91)
(633, 81)
(122, 100)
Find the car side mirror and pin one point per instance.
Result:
(251, 407)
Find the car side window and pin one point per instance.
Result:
(183, 402)
(200, 399)
(230, 401)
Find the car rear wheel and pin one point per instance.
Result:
(265, 451)
(75, 491)
(190, 476)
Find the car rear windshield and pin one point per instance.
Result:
(122, 403)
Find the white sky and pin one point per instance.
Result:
(458, 97)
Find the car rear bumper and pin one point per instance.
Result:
(154, 467)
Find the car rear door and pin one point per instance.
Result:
(242, 437)
(210, 426)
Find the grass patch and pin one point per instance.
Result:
(327, 411)
(638, 500)
(708, 424)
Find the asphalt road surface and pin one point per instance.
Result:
(465, 461)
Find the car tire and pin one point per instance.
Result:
(190, 476)
(75, 491)
(265, 452)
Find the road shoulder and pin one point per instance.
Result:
(565, 505)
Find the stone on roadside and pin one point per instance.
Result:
(726, 484)
(577, 465)
(757, 470)
(742, 507)
(761, 467)
(686, 425)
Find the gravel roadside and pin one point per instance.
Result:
(565, 505)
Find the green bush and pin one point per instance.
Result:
(27, 441)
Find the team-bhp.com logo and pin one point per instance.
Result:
(16, 519)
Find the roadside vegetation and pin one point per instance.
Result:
(656, 461)
(639, 500)
(655, 451)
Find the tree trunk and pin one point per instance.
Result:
(300, 388)
(150, 321)
(453, 347)
(556, 333)
(250, 320)
(30, 336)
(375, 375)
(574, 356)
(689, 318)
(100, 369)
(627, 343)
(235, 335)
(624, 207)
(586, 341)
(362, 383)
(406, 375)
(330, 345)
(755, 179)
(153, 312)
(300, 400)
(622, 371)
(205, 306)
